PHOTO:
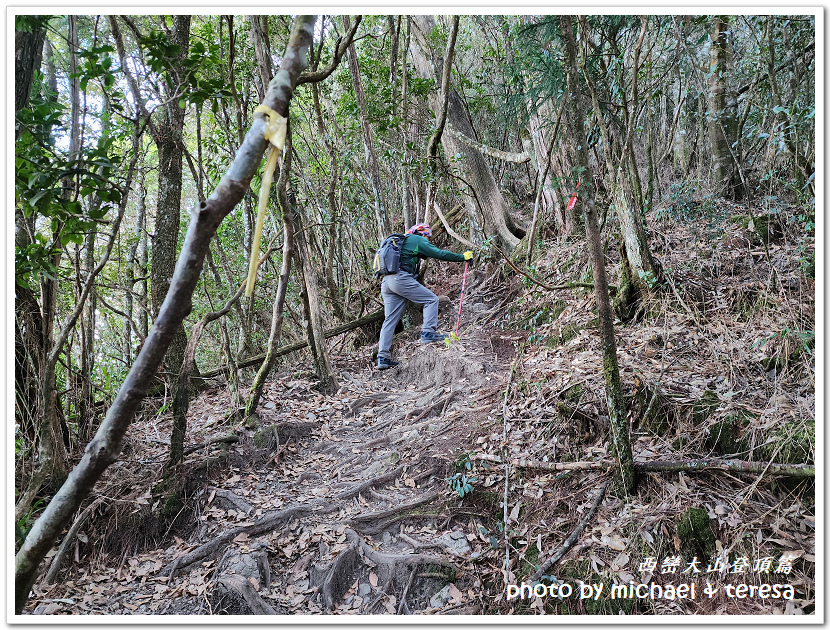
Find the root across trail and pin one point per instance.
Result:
(405, 491)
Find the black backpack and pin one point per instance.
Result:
(388, 256)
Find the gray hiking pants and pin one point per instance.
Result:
(396, 290)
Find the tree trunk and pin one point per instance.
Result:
(799, 170)
(406, 183)
(440, 119)
(288, 251)
(52, 458)
(335, 296)
(132, 258)
(314, 312)
(616, 404)
(262, 48)
(631, 224)
(487, 208)
(379, 201)
(105, 446)
(29, 35)
(723, 111)
(169, 141)
(29, 325)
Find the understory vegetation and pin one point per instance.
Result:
(630, 396)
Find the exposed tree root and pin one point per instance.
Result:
(370, 483)
(375, 522)
(339, 576)
(228, 498)
(388, 564)
(241, 590)
(443, 401)
(379, 397)
(223, 441)
(267, 523)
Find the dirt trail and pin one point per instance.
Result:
(330, 504)
(366, 525)
(344, 504)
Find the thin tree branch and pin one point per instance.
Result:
(571, 540)
(339, 50)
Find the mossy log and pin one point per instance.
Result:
(686, 465)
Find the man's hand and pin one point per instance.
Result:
(468, 255)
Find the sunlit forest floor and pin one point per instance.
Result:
(388, 497)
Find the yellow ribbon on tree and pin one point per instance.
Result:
(275, 130)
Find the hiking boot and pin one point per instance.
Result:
(432, 337)
(385, 364)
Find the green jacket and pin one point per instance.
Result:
(416, 247)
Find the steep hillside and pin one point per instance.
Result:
(409, 490)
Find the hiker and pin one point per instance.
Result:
(399, 287)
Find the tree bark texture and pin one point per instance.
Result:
(28, 337)
(722, 117)
(614, 396)
(314, 312)
(493, 216)
(262, 48)
(28, 51)
(104, 448)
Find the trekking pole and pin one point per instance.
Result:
(461, 300)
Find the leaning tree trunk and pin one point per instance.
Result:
(104, 448)
(487, 208)
(614, 395)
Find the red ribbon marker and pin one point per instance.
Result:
(572, 202)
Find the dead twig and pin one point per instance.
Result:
(570, 540)
(57, 561)
(406, 590)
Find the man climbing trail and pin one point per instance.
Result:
(399, 287)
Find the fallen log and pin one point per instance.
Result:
(736, 465)
(657, 465)
(376, 316)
